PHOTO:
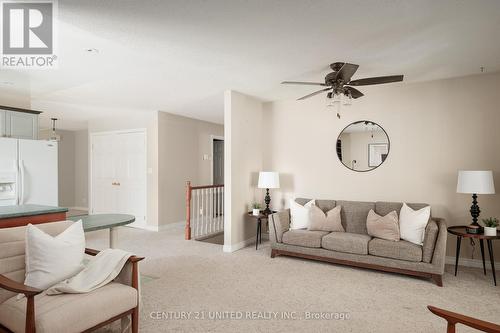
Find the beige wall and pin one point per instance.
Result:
(243, 118)
(66, 165)
(182, 143)
(435, 129)
(136, 120)
(81, 168)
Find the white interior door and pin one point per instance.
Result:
(119, 174)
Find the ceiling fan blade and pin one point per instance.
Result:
(355, 93)
(304, 83)
(346, 72)
(376, 80)
(314, 93)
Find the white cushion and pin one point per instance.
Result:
(50, 260)
(299, 215)
(412, 223)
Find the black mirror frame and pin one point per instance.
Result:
(388, 145)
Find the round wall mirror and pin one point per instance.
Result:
(363, 146)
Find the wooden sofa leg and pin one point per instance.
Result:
(273, 253)
(438, 279)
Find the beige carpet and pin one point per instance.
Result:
(197, 277)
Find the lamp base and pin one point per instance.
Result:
(267, 200)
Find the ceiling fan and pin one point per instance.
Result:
(339, 82)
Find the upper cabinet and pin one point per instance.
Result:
(18, 123)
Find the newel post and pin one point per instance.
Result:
(188, 211)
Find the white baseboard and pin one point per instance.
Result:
(164, 226)
(79, 208)
(238, 246)
(476, 263)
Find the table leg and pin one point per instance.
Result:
(260, 233)
(492, 260)
(257, 235)
(112, 238)
(459, 240)
(481, 244)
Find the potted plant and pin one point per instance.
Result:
(256, 208)
(490, 226)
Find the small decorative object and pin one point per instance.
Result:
(490, 226)
(473, 229)
(256, 209)
(267, 180)
(475, 182)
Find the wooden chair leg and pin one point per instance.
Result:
(30, 315)
(135, 320)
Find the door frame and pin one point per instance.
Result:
(212, 138)
(90, 180)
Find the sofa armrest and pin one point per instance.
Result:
(279, 223)
(439, 253)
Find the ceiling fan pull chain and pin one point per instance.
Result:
(338, 114)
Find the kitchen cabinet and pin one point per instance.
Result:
(18, 123)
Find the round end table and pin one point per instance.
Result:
(461, 232)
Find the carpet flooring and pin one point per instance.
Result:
(191, 286)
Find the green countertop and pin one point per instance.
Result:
(103, 221)
(28, 210)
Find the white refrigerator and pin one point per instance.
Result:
(28, 172)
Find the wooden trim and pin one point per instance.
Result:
(135, 284)
(453, 318)
(11, 108)
(187, 229)
(276, 252)
(16, 287)
(21, 221)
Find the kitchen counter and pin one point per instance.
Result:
(14, 216)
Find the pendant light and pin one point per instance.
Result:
(54, 136)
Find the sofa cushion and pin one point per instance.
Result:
(304, 238)
(346, 242)
(401, 250)
(354, 214)
(70, 312)
(383, 208)
(329, 221)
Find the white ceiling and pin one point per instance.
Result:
(179, 56)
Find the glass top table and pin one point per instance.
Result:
(104, 221)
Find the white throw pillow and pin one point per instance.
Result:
(299, 215)
(412, 223)
(49, 259)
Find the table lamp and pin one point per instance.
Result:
(267, 180)
(475, 182)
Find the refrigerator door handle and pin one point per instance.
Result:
(21, 187)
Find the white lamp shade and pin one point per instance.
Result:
(269, 179)
(475, 182)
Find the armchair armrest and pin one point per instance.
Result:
(93, 252)
(16, 287)
(455, 318)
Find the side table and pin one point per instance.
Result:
(259, 218)
(461, 232)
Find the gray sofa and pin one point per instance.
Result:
(355, 247)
